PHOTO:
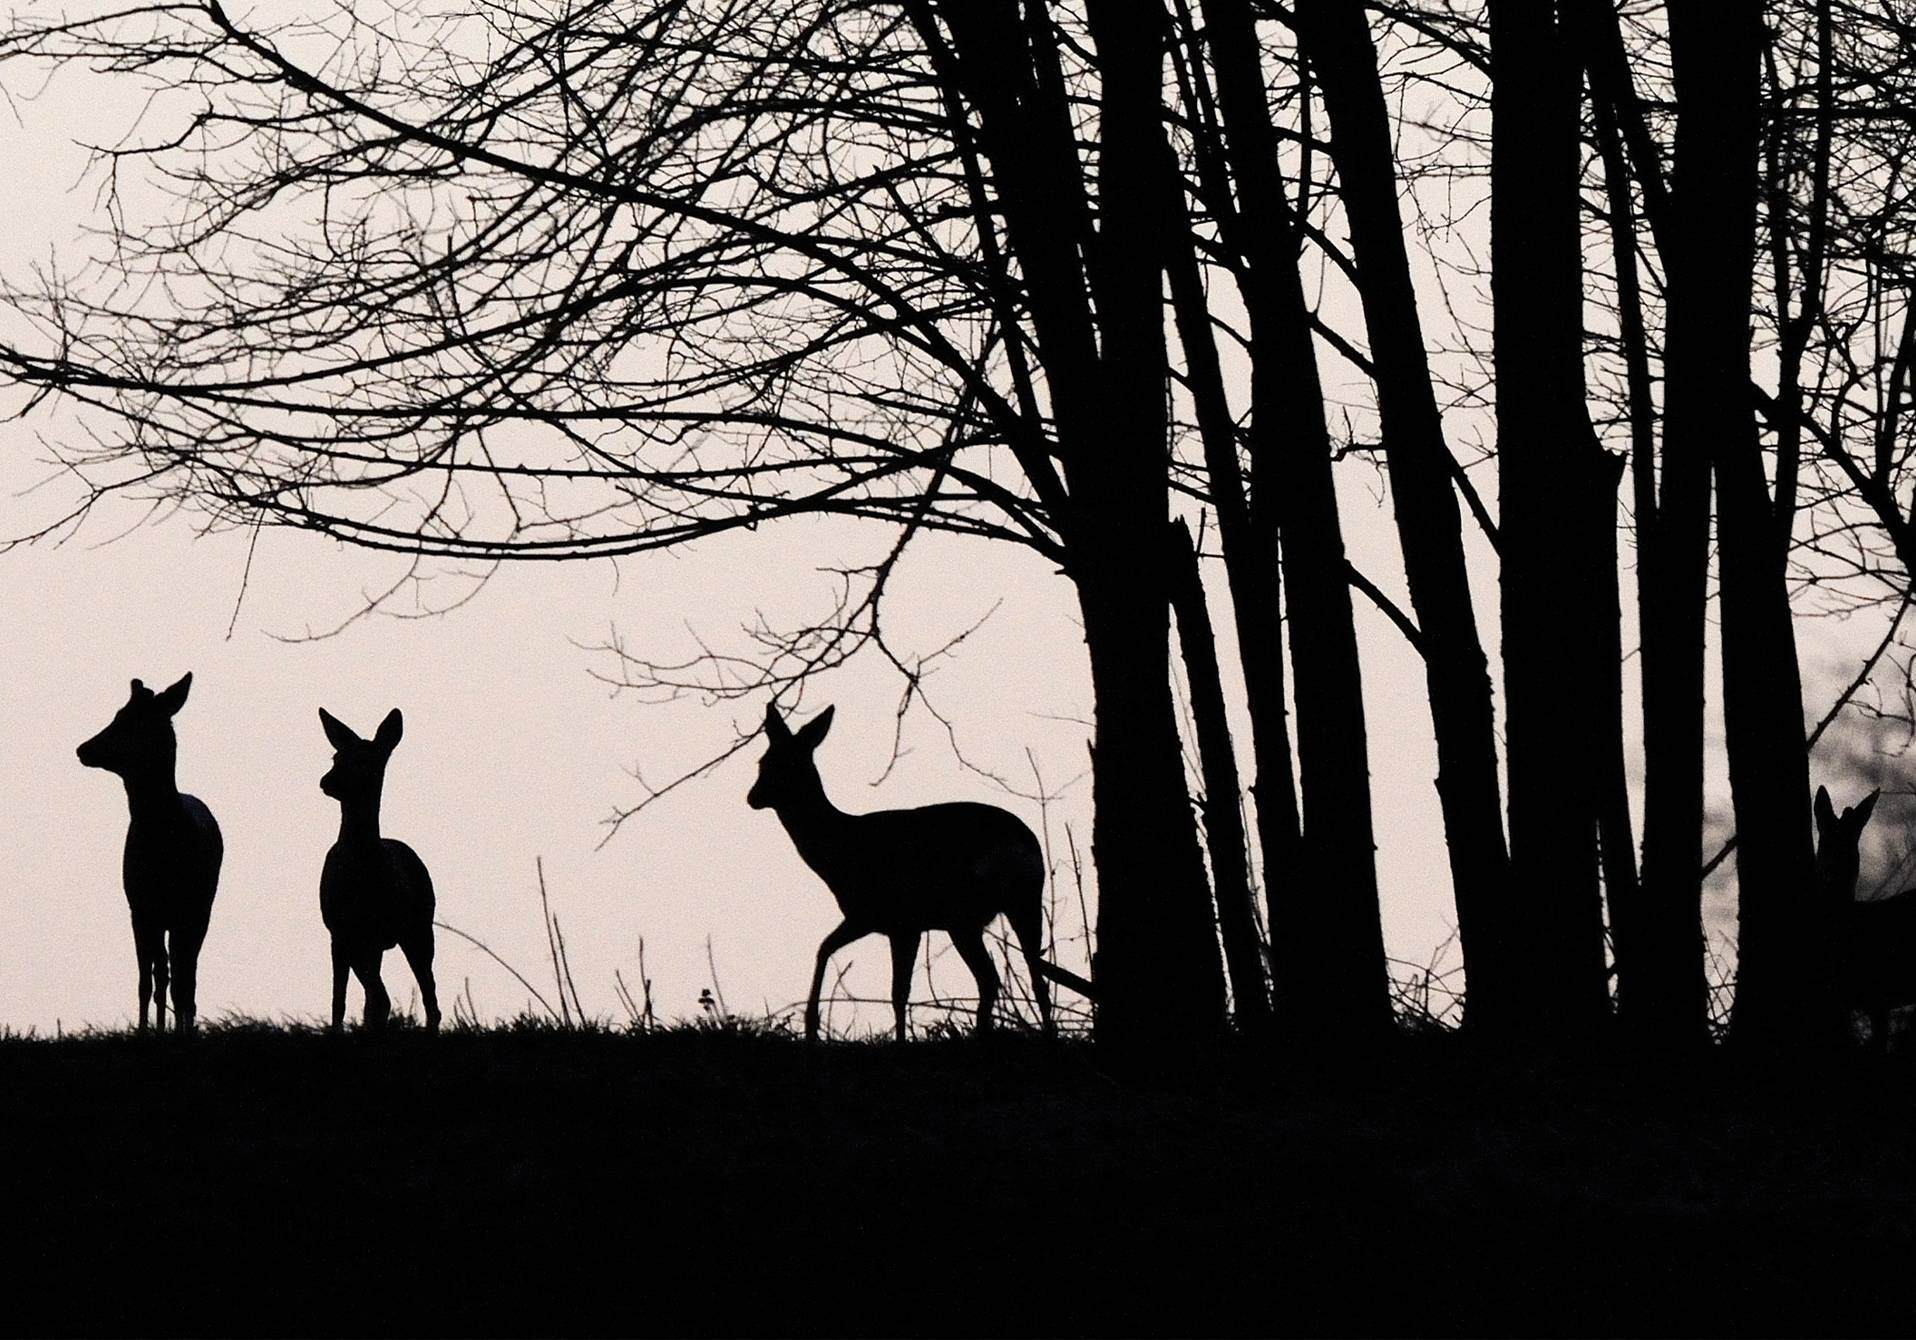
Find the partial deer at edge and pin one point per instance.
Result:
(900, 873)
(374, 892)
(171, 868)
(1876, 936)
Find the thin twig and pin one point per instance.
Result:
(487, 950)
(552, 944)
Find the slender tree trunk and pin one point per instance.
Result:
(1166, 925)
(1543, 439)
(1663, 992)
(1223, 819)
(1336, 39)
(1630, 924)
(1716, 50)
(1249, 546)
(1327, 936)
(1156, 962)
(1615, 839)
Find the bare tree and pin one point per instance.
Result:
(551, 282)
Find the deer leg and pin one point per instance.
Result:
(971, 948)
(341, 962)
(186, 974)
(904, 948)
(160, 979)
(418, 952)
(1028, 926)
(143, 946)
(378, 1004)
(841, 935)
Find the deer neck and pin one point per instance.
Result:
(152, 792)
(1836, 874)
(359, 820)
(814, 824)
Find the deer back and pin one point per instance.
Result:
(171, 865)
(932, 868)
(374, 893)
(1879, 949)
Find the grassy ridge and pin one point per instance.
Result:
(532, 1180)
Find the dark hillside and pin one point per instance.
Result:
(548, 1183)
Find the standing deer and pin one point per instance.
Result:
(171, 867)
(900, 873)
(374, 892)
(1876, 936)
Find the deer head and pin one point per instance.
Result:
(787, 772)
(1836, 843)
(359, 766)
(139, 741)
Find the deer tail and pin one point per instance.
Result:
(1066, 978)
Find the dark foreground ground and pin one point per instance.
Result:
(535, 1182)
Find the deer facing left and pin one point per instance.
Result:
(374, 892)
(171, 867)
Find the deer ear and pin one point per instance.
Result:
(338, 731)
(775, 728)
(174, 698)
(390, 730)
(1825, 812)
(1862, 810)
(816, 729)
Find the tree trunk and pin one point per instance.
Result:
(1544, 438)
(1337, 41)
(1716, 51)
(1662, 992)
(1615, 840)
(1156, 964)
(1160, 926)
(1326, 934)
(1223, 819)
(1630, 920)
(1249, 546)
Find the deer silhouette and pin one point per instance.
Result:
(1876, 937)
(171, 867)
(901, 873)
(374, 892)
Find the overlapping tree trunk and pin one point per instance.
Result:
(1715, 52)
(1095, 299)
(1326, 934)
(1546, 460)
(1336, 39)
(1662, 995)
